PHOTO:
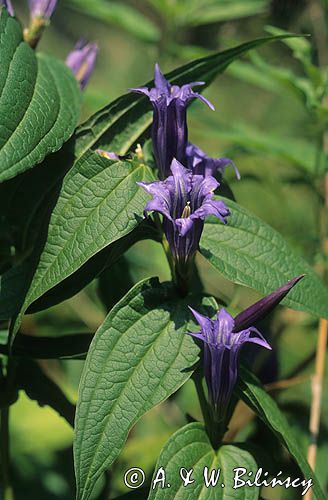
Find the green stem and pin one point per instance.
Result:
(4, 434)
(213, 428)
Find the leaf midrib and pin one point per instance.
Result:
(47, 132)
(122, 392)
(36, 294)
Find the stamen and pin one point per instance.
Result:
(82, 71)
(139, 152)
(186, 211)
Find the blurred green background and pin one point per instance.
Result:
(266, 121)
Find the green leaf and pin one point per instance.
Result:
(92, 268)
(226, 10)
(74, 346)
(190, 448)
(101, 203)
(139, 356)
(39, 102)
(250, 390)
(40, 387)
(121, 15)
(249, 252)
(300, 153)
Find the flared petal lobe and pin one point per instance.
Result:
(169, 128)
(201, 164)
(42, 8)
(222, 340)
(185, 200)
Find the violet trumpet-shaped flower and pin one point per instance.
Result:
(8, 5)
(81, 60)
(169, 129)
(42, 8)
(223, 338)
(185, 200)
(201, 164)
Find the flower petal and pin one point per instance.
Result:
(263, 307)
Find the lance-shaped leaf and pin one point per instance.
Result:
(138, 357)
(190, 448)
(249, 252)
(249, 389)
(39, 102)
(101, 204)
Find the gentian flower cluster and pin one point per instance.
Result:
(223, 338)
(8, 5)
(184, 196)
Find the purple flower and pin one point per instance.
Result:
(8, 5)
(223, 338)
(202, 164)
(169, 129)
(82, 61)
(185, 200)
(42, 8)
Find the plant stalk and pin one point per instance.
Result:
(320, 33)
(213, 428)
(8, 493)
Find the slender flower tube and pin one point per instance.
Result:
(81, 60)
(42, 8)
(185, 200)
(8, 5)
(223, 338)
(169, 129)
(201, 164)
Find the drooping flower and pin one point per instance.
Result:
(185, 200)
(81, 60)
(8, 5)
(169, 128)
(223, 338)
(42, 8)
(201, 164)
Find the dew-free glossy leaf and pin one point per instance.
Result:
(250, 390)
(39, 102)
(249, 252)
(190, 448)
(101, 203)
(138, 357)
